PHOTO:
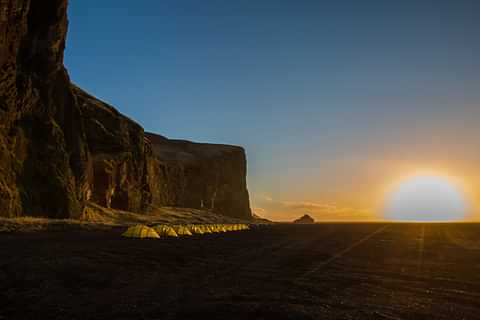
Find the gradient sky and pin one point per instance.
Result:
(333, 100)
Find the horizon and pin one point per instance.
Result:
(333, 103)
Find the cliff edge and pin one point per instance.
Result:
(61, 148)
(200, 175)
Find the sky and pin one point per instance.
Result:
(334, 101)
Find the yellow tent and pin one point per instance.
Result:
(196, 229)
(182, 230)
(165, 231)
(140, 231)
(190, 227)
(206, 228)
(221, 228)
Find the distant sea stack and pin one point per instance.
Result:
(61, 147)
(305, 219)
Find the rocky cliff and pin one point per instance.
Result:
(61, 147)
(199, 175)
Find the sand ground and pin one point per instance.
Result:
(322, 271)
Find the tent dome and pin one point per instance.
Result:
(182, 230)
(140, 231)
(165, 231)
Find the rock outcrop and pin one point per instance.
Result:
(199, 175)
(61, 147)
(43, 154)
(305, 219)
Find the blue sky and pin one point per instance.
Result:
(331, 99)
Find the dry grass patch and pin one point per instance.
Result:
(98, 217)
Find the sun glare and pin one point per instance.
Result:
(426, 198)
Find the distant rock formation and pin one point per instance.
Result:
(305, 219)
(61, 147)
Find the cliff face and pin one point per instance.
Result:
(199, 175)
(60, 147)
(43, 157)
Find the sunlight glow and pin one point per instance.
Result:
(426, 198)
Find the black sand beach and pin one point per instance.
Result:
(327, 271)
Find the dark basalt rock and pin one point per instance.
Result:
(200, 175)
(61, 147)
(305, 219)
(42, 165)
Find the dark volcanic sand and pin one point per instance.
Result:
(324, 271)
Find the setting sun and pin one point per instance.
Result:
(426, 198)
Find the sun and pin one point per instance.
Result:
(426, 198)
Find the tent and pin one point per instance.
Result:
(182, 230)
(214, 228)
(206, 228)
(165, 231)
(140, 231)
(196, 229)
(220, 228)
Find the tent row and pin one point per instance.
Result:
(162, 230)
